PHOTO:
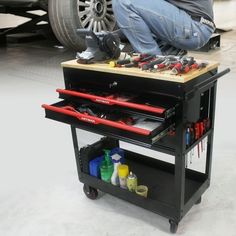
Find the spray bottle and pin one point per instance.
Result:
(115, 178)
(106, 167)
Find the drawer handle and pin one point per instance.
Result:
(91, 97)
(109, 101)
(95, 120)
(114, 84)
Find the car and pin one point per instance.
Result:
(65, 17)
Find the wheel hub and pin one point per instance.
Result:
(96, 15)
(98, 8)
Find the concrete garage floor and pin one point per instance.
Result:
(39, 191)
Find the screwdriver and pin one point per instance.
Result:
(151, 64)
(197, 136)
(177, 68)
(188, 137)
(201, 129)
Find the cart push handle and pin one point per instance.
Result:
(212, 79)
(206, 83)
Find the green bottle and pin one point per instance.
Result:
(106, 167)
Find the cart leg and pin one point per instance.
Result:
(173, 226)
(90, 192)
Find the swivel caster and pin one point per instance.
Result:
(90, 192)
(173, 226)
(199, 201)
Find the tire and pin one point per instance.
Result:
(67, 16)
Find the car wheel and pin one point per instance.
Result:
(68, 16)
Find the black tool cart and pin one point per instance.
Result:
(172, 102)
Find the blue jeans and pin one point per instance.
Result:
(143, 21)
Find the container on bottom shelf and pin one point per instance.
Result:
(132, 182)
(106, 167)
(94, 167)
(123, 172)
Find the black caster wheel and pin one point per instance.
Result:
(199, 201)
(173, 226)
(90, 192)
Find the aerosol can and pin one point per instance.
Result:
(132, 182)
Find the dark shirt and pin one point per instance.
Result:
(202, 8)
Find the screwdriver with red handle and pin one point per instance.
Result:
(138, 60)
(201, 129)
(197, 136)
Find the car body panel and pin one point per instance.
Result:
(19, 3)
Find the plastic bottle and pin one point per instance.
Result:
(123, 171)
(117, 156)
(106, 167)
(118, 153)
(94, 166)
(115, 178)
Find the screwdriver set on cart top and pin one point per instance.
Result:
(174, 64)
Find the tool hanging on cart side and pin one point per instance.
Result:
(194, 131)
(201, 129)
(187, 137)
(197, 136)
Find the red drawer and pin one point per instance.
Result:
(67, 110)
(110, 102)
(108, 122)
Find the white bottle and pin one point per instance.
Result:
(115, 177)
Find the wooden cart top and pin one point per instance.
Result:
(164, 75)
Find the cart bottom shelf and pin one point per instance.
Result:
(158, 176)
(161, 182)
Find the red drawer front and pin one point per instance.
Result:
(108, 101)
(95, 120)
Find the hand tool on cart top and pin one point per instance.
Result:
(183, 65)
(128, 62)
(167, 64)
(151, 64)
(140, 61)
(156, 63)
(100, 46)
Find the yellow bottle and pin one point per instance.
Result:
(123, 172)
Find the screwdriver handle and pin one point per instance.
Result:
(151, 64)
